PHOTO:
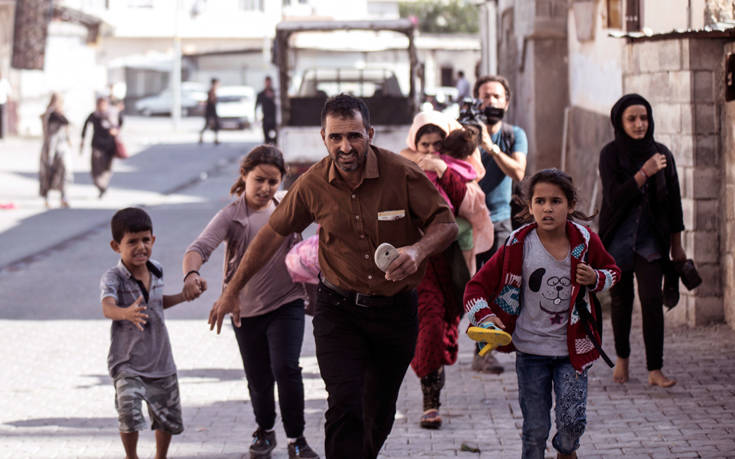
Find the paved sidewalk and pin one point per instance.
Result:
(58, 401)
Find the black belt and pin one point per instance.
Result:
(356, 298)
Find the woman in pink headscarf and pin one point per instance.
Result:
(437, 342)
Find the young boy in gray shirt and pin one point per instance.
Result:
(140, 360)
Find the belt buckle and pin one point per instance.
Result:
(358, 302)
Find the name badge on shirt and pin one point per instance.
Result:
(391, 215)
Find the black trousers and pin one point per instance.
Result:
(363, 354)
(270, 346)
(649, 276)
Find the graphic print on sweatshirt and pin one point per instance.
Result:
(541, 328)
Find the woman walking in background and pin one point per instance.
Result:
(104, 130)
(641, 222)
(55, 171)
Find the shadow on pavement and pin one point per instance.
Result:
(73, 423)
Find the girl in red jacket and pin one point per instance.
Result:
(529, 289)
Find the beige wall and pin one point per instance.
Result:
(682, 80)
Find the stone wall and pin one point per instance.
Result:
(727, 212)
(682, 80)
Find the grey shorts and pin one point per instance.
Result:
(160, 394)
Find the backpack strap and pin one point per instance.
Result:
(507, 137)
(587, 321)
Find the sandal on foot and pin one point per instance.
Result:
(431, 419)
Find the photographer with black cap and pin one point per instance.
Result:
(503, 150)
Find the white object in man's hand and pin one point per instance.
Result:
(384, 256)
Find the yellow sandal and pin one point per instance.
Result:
(492, 337)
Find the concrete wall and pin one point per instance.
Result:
(595, 74)
(532, 54)
(682, 80)
(727, 211)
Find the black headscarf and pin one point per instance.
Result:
(638, 149)
(632, 153)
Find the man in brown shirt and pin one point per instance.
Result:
(365, 321)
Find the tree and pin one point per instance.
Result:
(442, 16)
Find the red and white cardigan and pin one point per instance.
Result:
(496, 288)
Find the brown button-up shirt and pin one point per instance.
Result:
(395, 202)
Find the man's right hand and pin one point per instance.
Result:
(225, 304)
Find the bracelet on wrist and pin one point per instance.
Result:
(645, 176)
(193, 271)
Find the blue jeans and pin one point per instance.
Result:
(535, 376)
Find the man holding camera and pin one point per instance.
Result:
(503, 149)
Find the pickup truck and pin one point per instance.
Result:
(391, 110)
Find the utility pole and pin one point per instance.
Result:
(489, 37)
(176, 71)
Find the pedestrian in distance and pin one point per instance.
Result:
(365, 322)
(271, 306)
(462, 86)
(503, 150)
(211, 119)
(5, 91)
(140, 360)
(530, 289)
(641, 222)
(104, 131)
(266, 100)
(55, 162)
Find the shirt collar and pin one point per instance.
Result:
(369, 171)
(151, 267)
(243, 212)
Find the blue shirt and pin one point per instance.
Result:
(497, 186)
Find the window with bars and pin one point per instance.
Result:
(624, 15)
(632, 15)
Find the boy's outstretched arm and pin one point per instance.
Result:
(173, 300)
(134, 313)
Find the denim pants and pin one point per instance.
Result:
(536, 373)
(270, 346)
(363, 355)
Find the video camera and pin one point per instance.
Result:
(471, 112)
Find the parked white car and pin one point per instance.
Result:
(235, 106)
(193, 99)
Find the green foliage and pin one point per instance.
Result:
(442, 16)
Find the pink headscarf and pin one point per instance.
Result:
(444, 122)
